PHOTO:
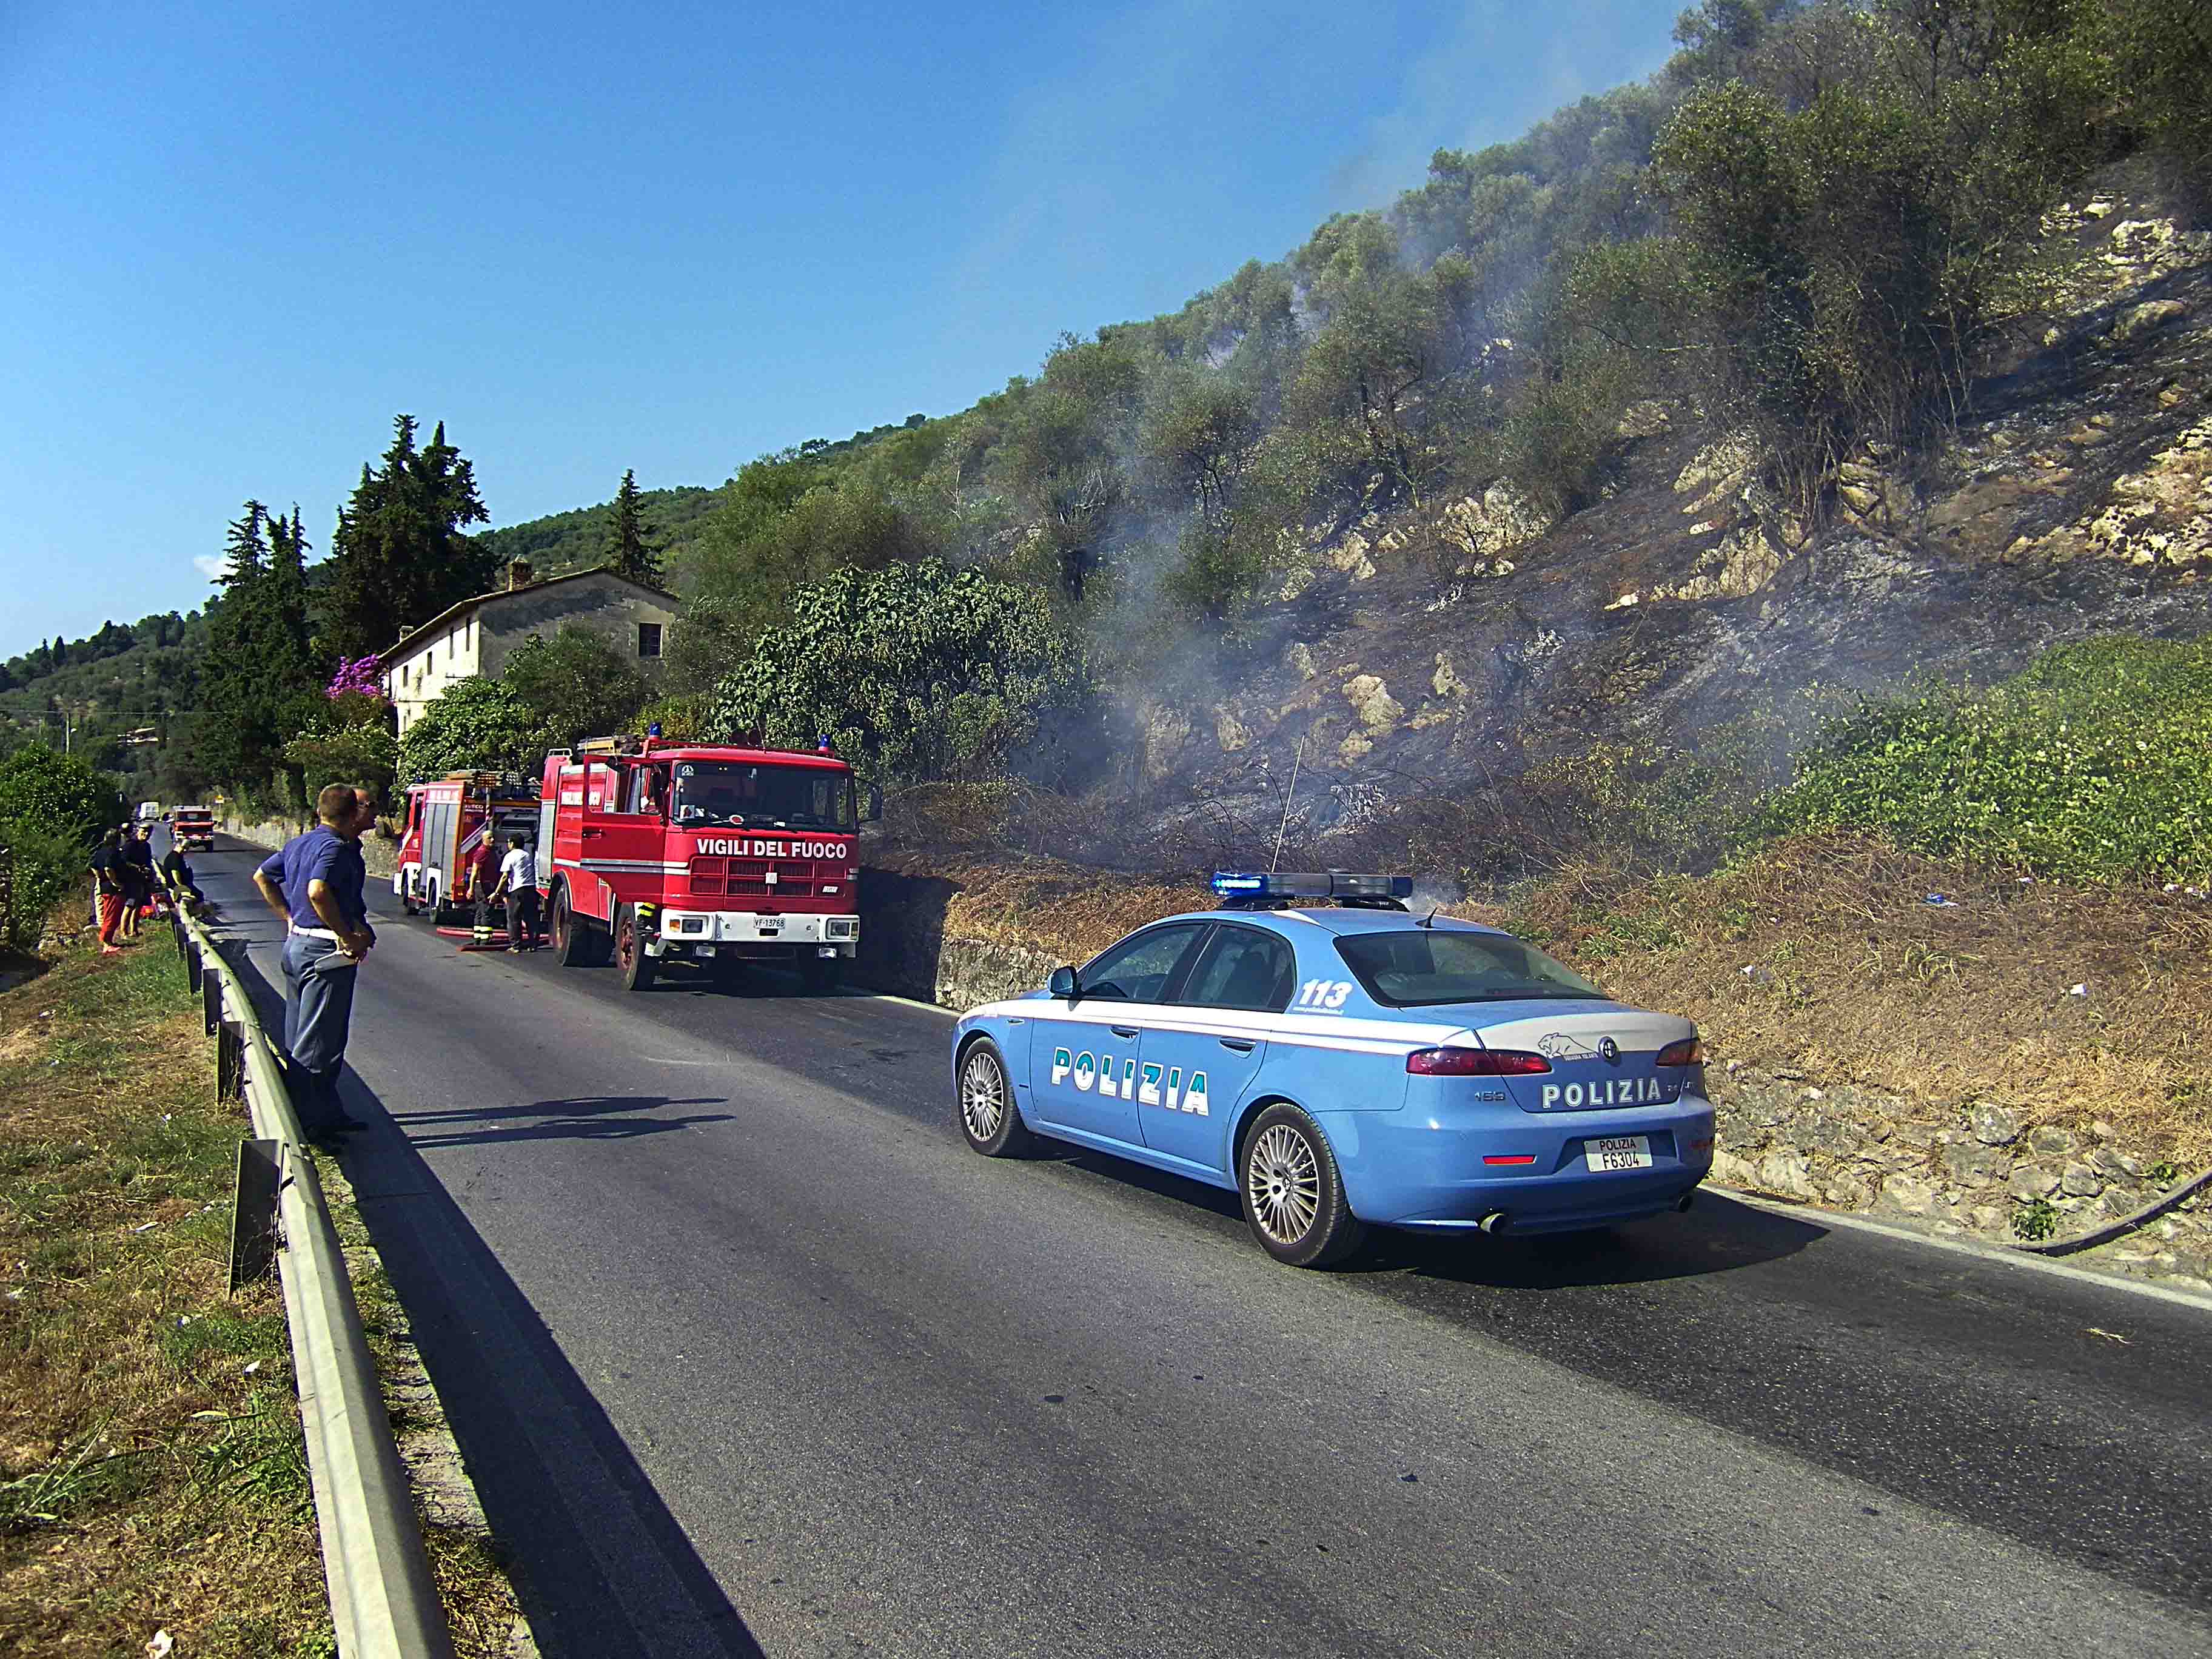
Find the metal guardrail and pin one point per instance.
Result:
(384, 1602)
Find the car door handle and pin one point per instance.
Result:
(592, 834)
(1122, 1030)
(1237, 1043)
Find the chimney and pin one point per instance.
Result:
(518, 573)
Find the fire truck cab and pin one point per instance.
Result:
(705, 853)
(447, 820)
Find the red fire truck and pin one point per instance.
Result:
(447, 819)
(193, 829)
(650, 852)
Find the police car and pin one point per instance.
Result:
(1339, 1063)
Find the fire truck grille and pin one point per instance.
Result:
(748, 878)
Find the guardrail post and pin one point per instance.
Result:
(229, 1061)
(210, 989)
(254, 1215)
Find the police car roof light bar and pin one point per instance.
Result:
(1252, 890)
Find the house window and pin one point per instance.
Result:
(648, 639)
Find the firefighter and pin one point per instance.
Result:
(518, 880)
(483, 876)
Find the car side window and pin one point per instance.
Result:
(1139, 968)
(1242, 967)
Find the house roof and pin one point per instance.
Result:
(453, 613)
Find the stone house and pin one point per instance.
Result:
(476, 635)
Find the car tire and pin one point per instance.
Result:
(989, 1121)
(1292, 1193)
(630, 951)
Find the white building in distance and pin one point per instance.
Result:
(476, 635)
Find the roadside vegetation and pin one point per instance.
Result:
(152, 1471)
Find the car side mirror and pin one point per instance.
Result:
(1063, 986)
(875, 804)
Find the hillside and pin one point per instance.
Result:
(1418, 653)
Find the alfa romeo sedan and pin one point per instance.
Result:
(1341, 1063)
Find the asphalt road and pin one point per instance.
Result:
(747, 1353)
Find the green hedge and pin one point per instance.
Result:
(2095, 765)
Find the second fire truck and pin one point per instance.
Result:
(650, 852)
(447, 819)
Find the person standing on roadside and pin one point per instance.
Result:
(108, 866)
(518, 880)
(138, 848)
(316, 884)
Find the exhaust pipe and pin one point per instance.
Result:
(1682, 1204)
(1495, 1222)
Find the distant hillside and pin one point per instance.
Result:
(562, 542)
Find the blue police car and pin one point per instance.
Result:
(1340, 1062)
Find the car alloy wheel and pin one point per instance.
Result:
(987, 1115)
(1283, 1177)
(1292, 1193)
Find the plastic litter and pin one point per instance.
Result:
(1942, 901)
(2081, 990)
(252, 1366)
(146, 1227)
(161, 1646)
(1757, 975)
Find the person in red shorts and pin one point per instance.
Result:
(109, 875)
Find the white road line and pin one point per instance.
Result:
(885, 996)
(1965, 1247)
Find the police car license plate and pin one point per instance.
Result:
(1618, 1152)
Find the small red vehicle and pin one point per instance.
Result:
(447, 820)
(702, 853)
(192, 829)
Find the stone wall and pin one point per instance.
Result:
(903, 949)
(380, 856)
(1974, 1173)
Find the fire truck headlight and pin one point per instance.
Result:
(690, 924)
(842, 927)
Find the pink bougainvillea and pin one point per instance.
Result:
(360, 678)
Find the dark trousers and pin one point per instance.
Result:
(522, 919)
(318, 982)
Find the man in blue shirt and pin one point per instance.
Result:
(316, 884)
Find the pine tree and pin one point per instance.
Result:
(260, 678)
(246, 549)
(630, 551)
(400, 555)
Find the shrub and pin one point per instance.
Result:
(473, 723)
(49, 864)
(919, 670)
(2095, 765)
(58, 792)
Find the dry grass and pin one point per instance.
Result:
(1856, 978)
(152, 1474)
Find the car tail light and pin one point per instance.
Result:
(1508, 1157)
(1688, 1052)
(1475, 1062)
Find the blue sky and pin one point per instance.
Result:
(236, 239)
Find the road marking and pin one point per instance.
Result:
(1964, 1247)
(885, 996)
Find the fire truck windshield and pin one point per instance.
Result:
(770, 796)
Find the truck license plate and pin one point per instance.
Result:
(769, 929)
(1618, 1152)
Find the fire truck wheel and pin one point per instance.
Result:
(987, 1115)
(630, 951)
(574, 939)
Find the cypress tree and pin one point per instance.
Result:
(400, 555)
(629, 550)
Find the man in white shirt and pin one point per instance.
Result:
(517, 882)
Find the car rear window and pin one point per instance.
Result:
(1412, 968)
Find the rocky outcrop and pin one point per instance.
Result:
(1975, 1172)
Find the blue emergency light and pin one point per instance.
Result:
(1244, 887)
